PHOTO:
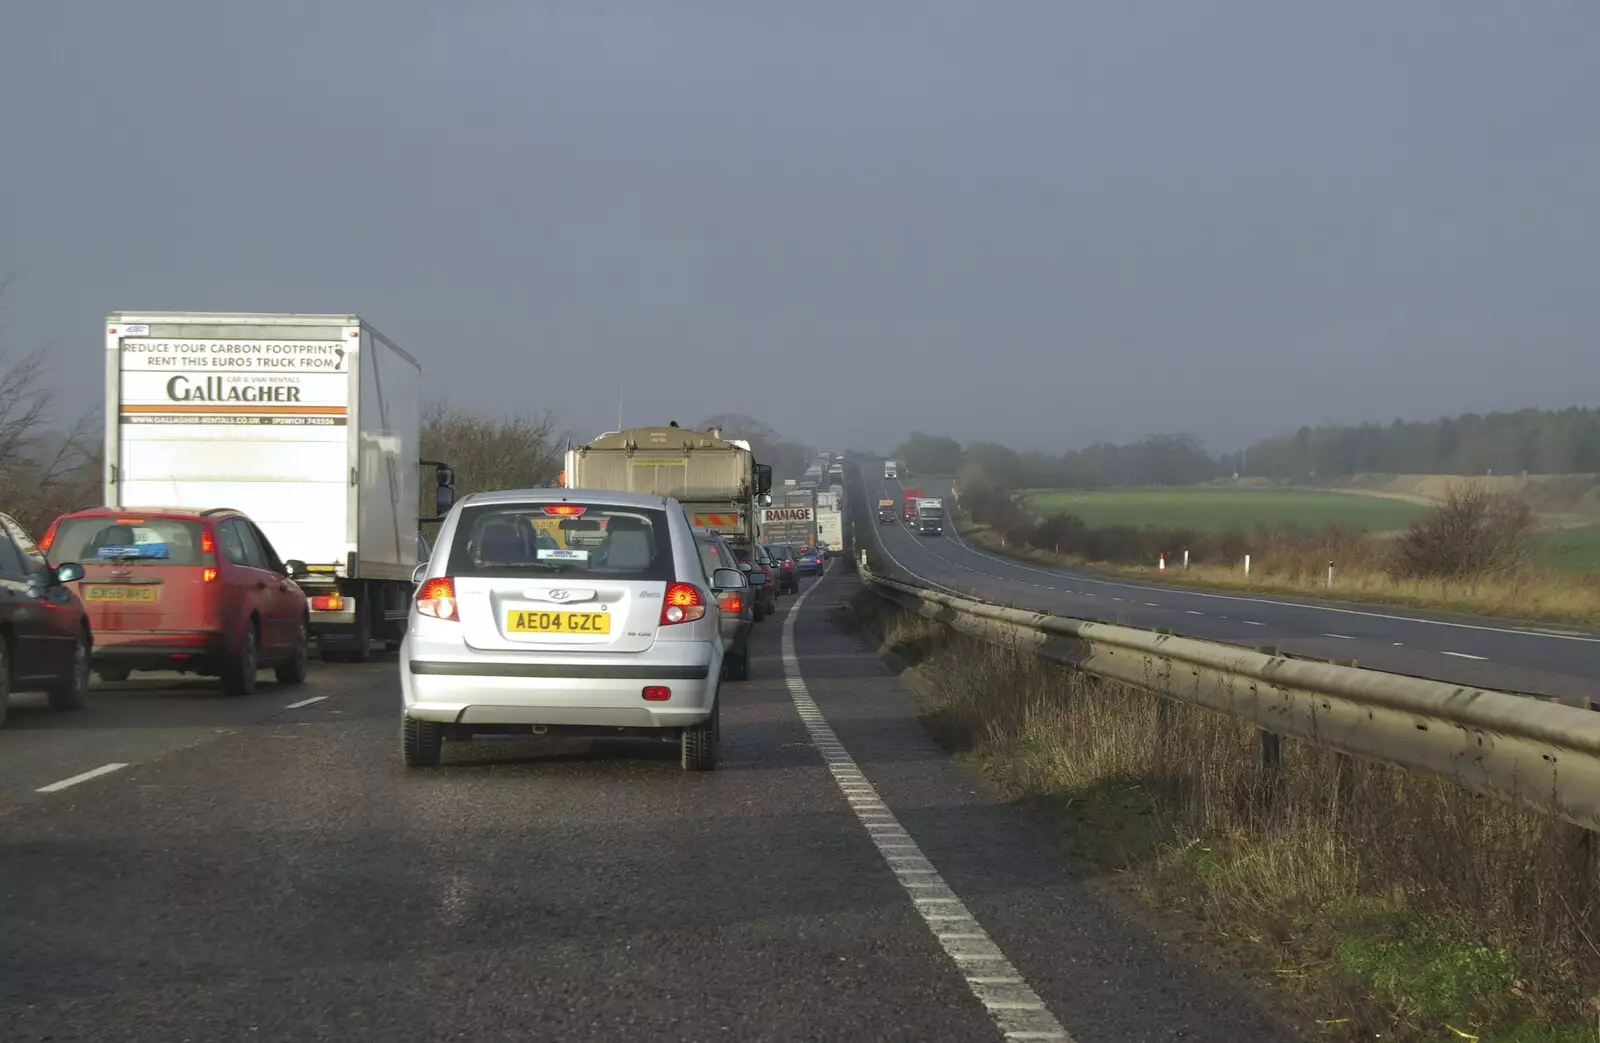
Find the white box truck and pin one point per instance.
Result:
(310, 424)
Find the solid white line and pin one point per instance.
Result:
(305, 702)
(1464, 655)
(1016, 1009)
(104, 769)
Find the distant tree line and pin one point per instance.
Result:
(1535, 441)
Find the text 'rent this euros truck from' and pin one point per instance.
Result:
(309, 424)
(717, 480)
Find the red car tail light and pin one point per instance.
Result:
(437, 598)
(656, 693)
(328, 602)
(208, 545)
(683, 603)
(731, 602)
(208, 575)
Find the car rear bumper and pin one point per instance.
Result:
(489, 691)
(158, 649)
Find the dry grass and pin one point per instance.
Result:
(1534, 595)
(1377, 903)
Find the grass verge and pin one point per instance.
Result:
(1568, 599)
(1374, 903)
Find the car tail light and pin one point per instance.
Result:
(683, 603)
(732, 602)
(656, 693)
(328, 603)
(208, 545)
(49, 536)
(437, 598)
(564, 510)
(208, 575)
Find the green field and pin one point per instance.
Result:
(1214, 510)
(1575, 550)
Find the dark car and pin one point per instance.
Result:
(762, 573)
(45, 640)
(788, 576)
(200, 591)
(810, 561)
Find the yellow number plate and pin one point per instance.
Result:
(120, 592)
(558, 622)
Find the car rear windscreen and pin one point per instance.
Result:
(576, 540)
(133, 539)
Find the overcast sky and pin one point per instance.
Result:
(1036, 222)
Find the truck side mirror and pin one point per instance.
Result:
(763, 479)
(443, 500)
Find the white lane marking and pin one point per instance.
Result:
(1464, 655)
(1151, 604)
(104, 769)
(1253, 623)
(1192, 612)
(305, 702)
(1016, 1009)
(1311, 607)
(1341, 637)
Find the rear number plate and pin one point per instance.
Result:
(124, 592)
(558, 622)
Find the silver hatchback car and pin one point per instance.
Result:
(565, 612)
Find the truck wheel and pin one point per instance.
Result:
(239, 671)
(361, 650)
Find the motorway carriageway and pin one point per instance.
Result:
(1459, 649)
(179, 865)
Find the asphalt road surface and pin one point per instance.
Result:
(1466, 650)
(265, 869)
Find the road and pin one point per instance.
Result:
(265, 869)
(1465, 650)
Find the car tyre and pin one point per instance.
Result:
(5, 679)
(739, 665)
(294, 669)
(114, 674)
(699, 743)
(72, 692)
(421, 743)
(239, 672)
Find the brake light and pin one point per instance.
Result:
(683, 603)
(731, 602)
(564, 510)
(437, 598)
(328, 603)
(208, 575)
(49, 536)
(207, 544)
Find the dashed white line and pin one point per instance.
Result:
(1253, 623)
(1151, 604)
(104, 769)
(1341, 637)
(1192, 612)
(1465, 655)
(305, 702)
(1014, 1007)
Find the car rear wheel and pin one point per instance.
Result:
(5, 678)
(294, 669)
(699, 744)
(114, 674)
(72, 691)
(739, 666)
(239, 672)
(421, 743)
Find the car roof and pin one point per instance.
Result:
(174, 512)
(598, 497)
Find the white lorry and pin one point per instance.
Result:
(929, 519)
(830, 521)
(891, 469)
(310, 424)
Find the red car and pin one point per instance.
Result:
(766, 594)
(189, 590)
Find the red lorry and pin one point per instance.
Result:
(908, 503)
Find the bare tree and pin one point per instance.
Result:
(44, 471)
(1472, 534)
(516, 451)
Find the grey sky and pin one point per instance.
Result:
(1038, 222)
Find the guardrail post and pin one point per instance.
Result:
(1271, 769)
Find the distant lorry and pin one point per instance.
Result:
(717, 480)
(791, 519)
(930, 516)
(886, 514)
(891, 469)
(830, 521)
(908, 503)
(309, 424)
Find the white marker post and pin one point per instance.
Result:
(1161, 562)
(1186, 561)
(1330, 575)
(1247, 566)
